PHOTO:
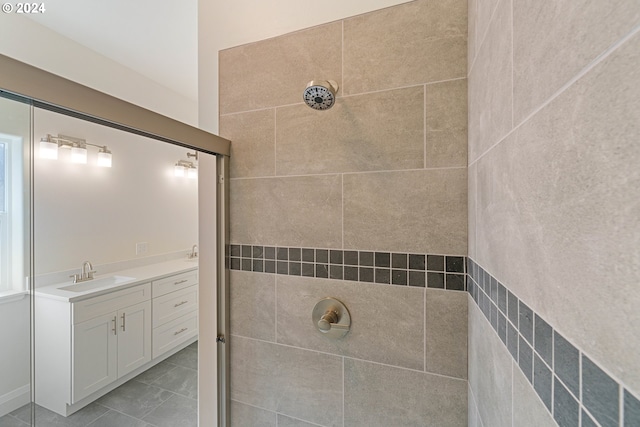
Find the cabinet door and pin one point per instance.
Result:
(94, 355)
(134, 337)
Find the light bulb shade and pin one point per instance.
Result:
(178, 170)
(79, 155)
(48, 149)
(104, 159)
(192, 173)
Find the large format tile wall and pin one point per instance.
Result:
(350, 203)
(554, 191)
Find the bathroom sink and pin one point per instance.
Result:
(98, 283)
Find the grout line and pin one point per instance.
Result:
(590, 66)
(275, 142)
(349, 173)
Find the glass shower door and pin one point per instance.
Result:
(15, 266)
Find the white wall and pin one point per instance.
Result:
(84, 212)
(223, 24)
(29, 42)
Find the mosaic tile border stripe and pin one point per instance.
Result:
(572, 387)
(393, 268)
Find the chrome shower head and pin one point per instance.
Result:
(320, 94)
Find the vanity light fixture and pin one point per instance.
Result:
(50, 144)
(186, 167)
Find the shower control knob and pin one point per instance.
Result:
(331, 318)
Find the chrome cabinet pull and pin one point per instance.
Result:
(180, 331)
(179, 304)
(115, 330)
(123, 322)
(181, 281)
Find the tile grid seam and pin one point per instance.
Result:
(573, 80)
(474, 286)
(344, 357)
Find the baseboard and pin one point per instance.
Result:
(15, 399)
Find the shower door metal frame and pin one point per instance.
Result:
(49, 91)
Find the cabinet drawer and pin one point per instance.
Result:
(176, 304)
(174, 283)
(98, 306)
(174, 333)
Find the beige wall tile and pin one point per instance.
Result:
(489, 371)
(472, 26)
(472, 174)
(253, 305)
(387, 321)
(355, 135)
(553, 42)
(275, 71)
(418, 42)
(558, 203)
(244, 415)
(528, 409)
(284, 421)
(253, 143)
(295, 211)
(299, 383)
(485, 12)
(412, 211)
(378, 395)
(472, 407)
(446, 332)
(446, 118)
(490, 85)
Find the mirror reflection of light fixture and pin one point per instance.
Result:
(50, 144)
(186, 167)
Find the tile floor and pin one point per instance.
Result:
(164, 396)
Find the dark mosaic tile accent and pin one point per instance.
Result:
(512, 341)
(455, 264)
(335, 257)
(308, 269)
(494, 316)
(235, 250)
(258, 265)
(246, 264)
(455, 282)
(399, 261)
(502, 328)
(383, 259)
(417, 278)
(235, 264)
(417, 262)
(246, 251)
(543, 340)
(351, 273)
(486, 281)
(282, 267)
(322, 256)
(493, 290)
(295, 254)
(322, 270)
(512, 308)
(383, 275)
(565, 406)
(526, 322)
(335, 272)
(435, 280)
(366, 258)
(269, 252)
(366, 274)
(525, 358)
(542, 379)
(350, 257)
(502, 298)
(257, 251)
(283, 254)
(308, 255)
(587, 421)
(435, 262)
(566, 363)
(631, 410)
(269, 266)
(295, 269)
(398, 277)
(600, 394)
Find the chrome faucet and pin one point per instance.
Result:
(194, 252)
(87, 273)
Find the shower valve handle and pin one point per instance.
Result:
(330, 321)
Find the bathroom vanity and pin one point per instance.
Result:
(92, 337)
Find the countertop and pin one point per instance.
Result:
(138, 276)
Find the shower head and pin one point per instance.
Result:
(320, 94)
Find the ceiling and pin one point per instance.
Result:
(158, 39)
